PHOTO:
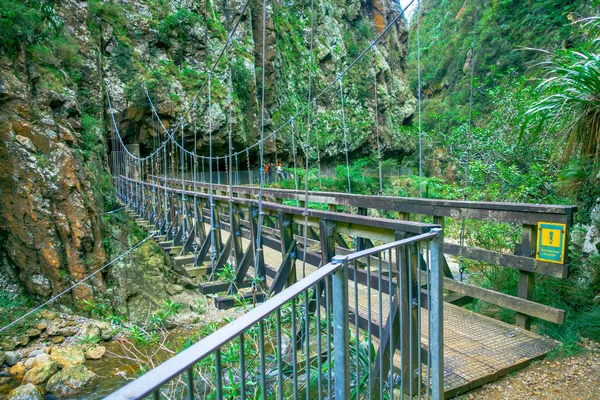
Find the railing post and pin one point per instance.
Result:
(341, 354)
(527, 279)
(436, 327)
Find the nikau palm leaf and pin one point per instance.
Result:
(571, 102)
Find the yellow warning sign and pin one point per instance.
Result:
(551, 242)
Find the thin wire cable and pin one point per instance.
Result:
(307, 144)
(469, 129)
(76, 284)
(262, 145)
(210, 173)
(377, 121)
(470, 126)
(419, 99)
(345, 134)
(294, 157)
(230, 98)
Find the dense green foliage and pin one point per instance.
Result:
(26, 22)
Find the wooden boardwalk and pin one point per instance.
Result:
(477, 349)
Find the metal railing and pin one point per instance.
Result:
(300, 343)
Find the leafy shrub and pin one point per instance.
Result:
(25, 22)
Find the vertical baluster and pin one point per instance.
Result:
(242, 368)
(307, 343)
(190, 383)
(340, 332)
(380, 299)
(437, 311)
(263, 375)
(328, 318)
(279, 355)
(318, 330)
(390, 325)
(294, 350)
(356, 332)
(218, 369)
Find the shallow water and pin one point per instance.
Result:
(114, 370)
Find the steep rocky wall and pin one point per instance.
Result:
(55, 128)
(50, 231)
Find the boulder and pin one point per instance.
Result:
(40, 359)
(67, 356)
(70, 381)
(40, 373)
(42, 326)
(95, 353)
(12, 358)
(91, 332)
(33, 332)
(23, 340)
(8, 345)
(57, 339)
(28, 363)
(35, 353)
(18, 370)
(48, 315)
(25, 392)
(55, 328)
(106, 330)
(52, 328)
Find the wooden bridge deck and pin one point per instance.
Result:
(477, 349)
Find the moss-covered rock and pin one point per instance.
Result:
(40, 373)
(70, 380)
(25, 392)
(67, 356)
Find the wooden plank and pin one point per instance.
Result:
(227, 302)
(522, 263)
(198, 271)
(207, 288)
(527, 307)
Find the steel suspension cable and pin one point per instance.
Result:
(230, 98)
(469, 130)
(419, 99)
(294, 158)
(377, 121)
(345, 133)
(307, 143)
(211, 199)
(52, 299)
(261, 144)
(195, 161)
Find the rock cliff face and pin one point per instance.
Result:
(55, 129)
(50, 231)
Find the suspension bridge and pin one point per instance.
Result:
(360, 289)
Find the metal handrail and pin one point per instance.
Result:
(185, 360)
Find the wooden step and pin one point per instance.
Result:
(227, 302)
(182, 260)
(173, 249)
(220, 286)
(165, 244)
(194, 272)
